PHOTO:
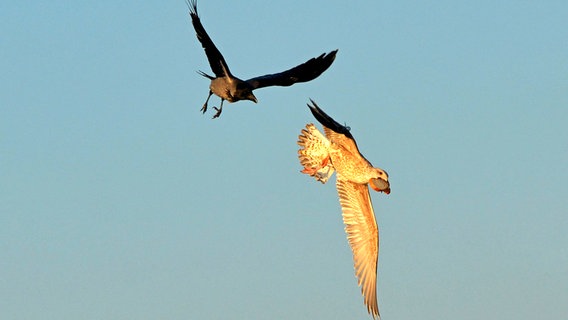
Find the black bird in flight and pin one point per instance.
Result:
(228, 87)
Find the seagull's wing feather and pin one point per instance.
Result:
(334, 131)
(216, 60)
(363, 235)
(307, 71)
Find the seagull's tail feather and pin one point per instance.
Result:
(314, 154)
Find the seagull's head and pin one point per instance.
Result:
(380, 181)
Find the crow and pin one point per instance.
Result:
(228, 87)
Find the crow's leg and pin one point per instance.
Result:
(219, 110)
(204, 108)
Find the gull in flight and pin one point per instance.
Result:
(321, 155)
(228, 87)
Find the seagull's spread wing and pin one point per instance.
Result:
(363, 235)
(334, 131)
(307, 71)
(216, 60)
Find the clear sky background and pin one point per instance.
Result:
(120, 200)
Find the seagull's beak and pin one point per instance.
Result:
(380, 185)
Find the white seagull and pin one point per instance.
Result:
(337, 151)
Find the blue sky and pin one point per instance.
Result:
(120, 200)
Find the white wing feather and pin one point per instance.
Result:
(363, 235)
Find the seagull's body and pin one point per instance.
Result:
(228, 87)
(337, 151)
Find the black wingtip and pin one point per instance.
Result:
(326, 120)
(318, 113)
(192, 6)
(328, 58)
(333, 54)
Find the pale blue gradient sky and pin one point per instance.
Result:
(120, 200)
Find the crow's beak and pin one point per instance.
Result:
(252, 98)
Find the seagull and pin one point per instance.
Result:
(321, 155)
(228, 87)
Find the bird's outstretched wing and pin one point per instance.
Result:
(307, 71)
(216, 60)
(363, 235)
(334, 131)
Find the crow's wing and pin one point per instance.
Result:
(307, 71)
(363, 236)
(216, 60)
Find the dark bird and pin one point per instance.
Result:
(228, 87)
(321, 155)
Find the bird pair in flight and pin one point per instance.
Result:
(320, 155)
